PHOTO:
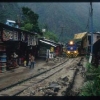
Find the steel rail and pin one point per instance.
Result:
(20, 82)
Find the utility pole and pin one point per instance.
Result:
(61, 34)
(18, 20)
(91, 19)
(91, 31)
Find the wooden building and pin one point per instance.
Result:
(44, 44)
(15, 40)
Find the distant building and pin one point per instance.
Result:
(12, 23)
(84, 39)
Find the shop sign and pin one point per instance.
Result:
(52, 49)
(10, 35)
(7, 35)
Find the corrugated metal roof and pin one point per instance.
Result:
(48, 43)
(80, 35)
(11, 21)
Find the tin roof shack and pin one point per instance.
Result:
(58, 49)
(44, 44)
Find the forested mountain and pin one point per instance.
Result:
(9, 11)
(72, 16)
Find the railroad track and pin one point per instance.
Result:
(19, 87)
(20, 82)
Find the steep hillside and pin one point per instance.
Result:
(73, 16)
(9, 11)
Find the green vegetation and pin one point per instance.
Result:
(69, 15)
(30, 21)
(51, 36)
(92, 85)
(9, 11)
(73, 16)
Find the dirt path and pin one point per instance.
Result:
(78, 82)
(62, 79)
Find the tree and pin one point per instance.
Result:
(51, 36)
(30, 22)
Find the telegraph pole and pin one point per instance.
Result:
(91, 16)
(91, 31)
(61, 35)
(18, 20)
(62, 29)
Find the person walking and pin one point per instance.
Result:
(15, 58)
(31, 61)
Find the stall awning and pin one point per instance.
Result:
(80, 35)
(48, 43)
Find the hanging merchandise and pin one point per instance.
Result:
(15, 36)
(28, 40)
(34, 41)
(22, 36)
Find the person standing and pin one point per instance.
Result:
(31, 61)
(47, 55)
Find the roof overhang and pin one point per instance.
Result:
(11, 21)
(80, 36)
(48, 43)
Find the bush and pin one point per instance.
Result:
(92, 88)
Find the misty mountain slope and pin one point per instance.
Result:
(72, 16)
(8, 11)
